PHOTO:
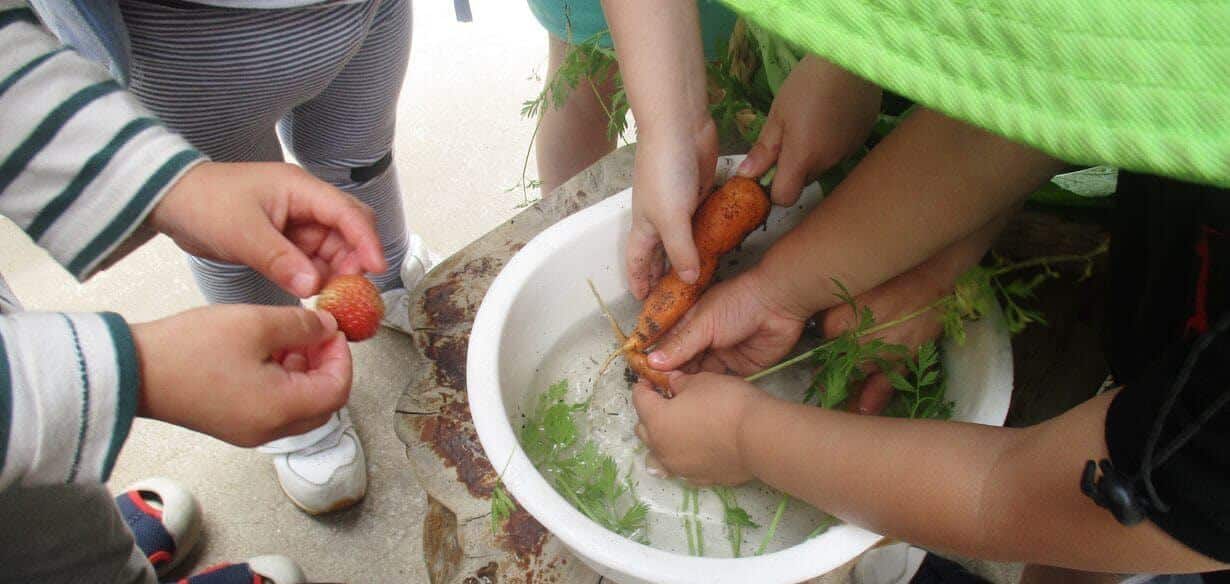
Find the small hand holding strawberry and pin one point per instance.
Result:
(241, 373)
(276, 218)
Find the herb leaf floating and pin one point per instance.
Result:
(582, 474)
(735, 517)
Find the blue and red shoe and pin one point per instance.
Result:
(165, 520)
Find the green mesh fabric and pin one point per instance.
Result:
(1139, 84)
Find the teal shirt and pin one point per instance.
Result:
(716, 21)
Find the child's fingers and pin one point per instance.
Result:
(322, 266)
(269, 252)
(681, 249)
(307, 237)
(655, 468)
(325, 386)
(327, 248)
(680, 382)
(877, 391)
(648, 404)
(319, 202)
(304, 425)
(295, 362)
(657, 265)
(640, 255)
(793, 166)
(764, 152)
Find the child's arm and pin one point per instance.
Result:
(82, 165)
(71, 383)
(980, 491)
(932, 182)
(662, 63)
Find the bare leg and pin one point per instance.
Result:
(574, 136)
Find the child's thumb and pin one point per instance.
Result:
(684, 341)
(286, 327)
(763, 153)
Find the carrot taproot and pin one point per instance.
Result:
(721, 223)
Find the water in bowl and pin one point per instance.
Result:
(610, 422)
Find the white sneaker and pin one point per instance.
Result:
(264, 569)
(323, 470)
(277, 569)
(419, 260)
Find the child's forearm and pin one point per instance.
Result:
(932, 182)
(662, 63)
(981, 491)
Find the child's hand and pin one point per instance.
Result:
(906, 293)
(244, 374)
(673, 171)
(274, 217)
(695, 435)
(888, 301)
(741, 322)
(820, 116)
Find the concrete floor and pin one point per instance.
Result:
(460, 144)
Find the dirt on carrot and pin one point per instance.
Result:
(721, 223)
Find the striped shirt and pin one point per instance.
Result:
(81, 165)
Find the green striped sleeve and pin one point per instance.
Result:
(18, 14)
(24, 70)
(93, 167)
(132, 213)
(47, 129)
(128, 387)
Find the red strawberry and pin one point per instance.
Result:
(355, 303)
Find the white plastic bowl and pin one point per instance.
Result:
(542, 292)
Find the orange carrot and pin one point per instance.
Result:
(720, 224)
(638, 362)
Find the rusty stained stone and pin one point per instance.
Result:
(489, 574)
(452, 436)
(441, 550)
(448, 356)
(524, 535)
(440, 308)
(447, 304)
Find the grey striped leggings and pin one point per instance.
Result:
(326, 78)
